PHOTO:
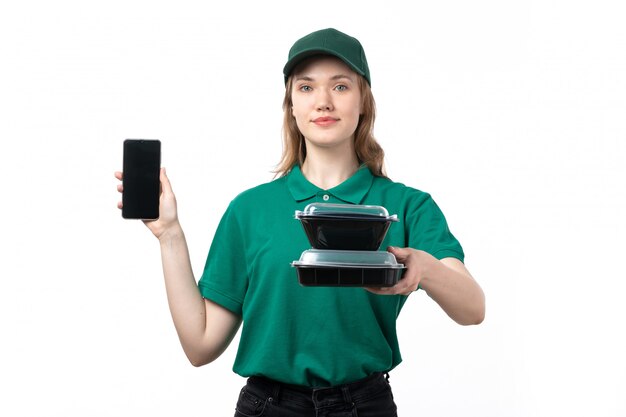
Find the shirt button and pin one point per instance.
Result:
(326, 197)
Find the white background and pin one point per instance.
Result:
(510, 113)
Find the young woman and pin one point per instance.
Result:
(312, 351)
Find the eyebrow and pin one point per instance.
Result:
(333, 78)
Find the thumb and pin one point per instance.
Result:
(399, 253)
(165, 182)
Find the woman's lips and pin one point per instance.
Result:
(325, 121)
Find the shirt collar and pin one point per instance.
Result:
(352, 190)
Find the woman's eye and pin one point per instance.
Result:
(305, 88)
(341, 88)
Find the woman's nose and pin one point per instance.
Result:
(324, 101)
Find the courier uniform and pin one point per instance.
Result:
(312, 336)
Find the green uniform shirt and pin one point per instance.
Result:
(314, 336)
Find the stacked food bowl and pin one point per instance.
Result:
(345, 240)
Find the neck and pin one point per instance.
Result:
(327, 169)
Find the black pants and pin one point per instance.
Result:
(369, 397)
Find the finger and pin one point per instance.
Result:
(400, 288)
(400, 253)
(120, 188)
(399, 291)
(380, 290)
(409, 289)
(119, 205)
(119, 175)
(405, 286)
(165, 181)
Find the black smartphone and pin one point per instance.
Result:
(142, 187)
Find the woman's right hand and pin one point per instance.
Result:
(168, 213)
(204, 328)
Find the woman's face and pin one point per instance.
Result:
(326, 102)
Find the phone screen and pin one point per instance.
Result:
(142, 187)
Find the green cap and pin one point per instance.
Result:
(329, 42)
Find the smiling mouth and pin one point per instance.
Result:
(325, 121)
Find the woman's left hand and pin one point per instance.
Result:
(416, 263)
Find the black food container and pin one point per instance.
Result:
(341, 268)
(345, 226)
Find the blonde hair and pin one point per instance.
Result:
(368, 151)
